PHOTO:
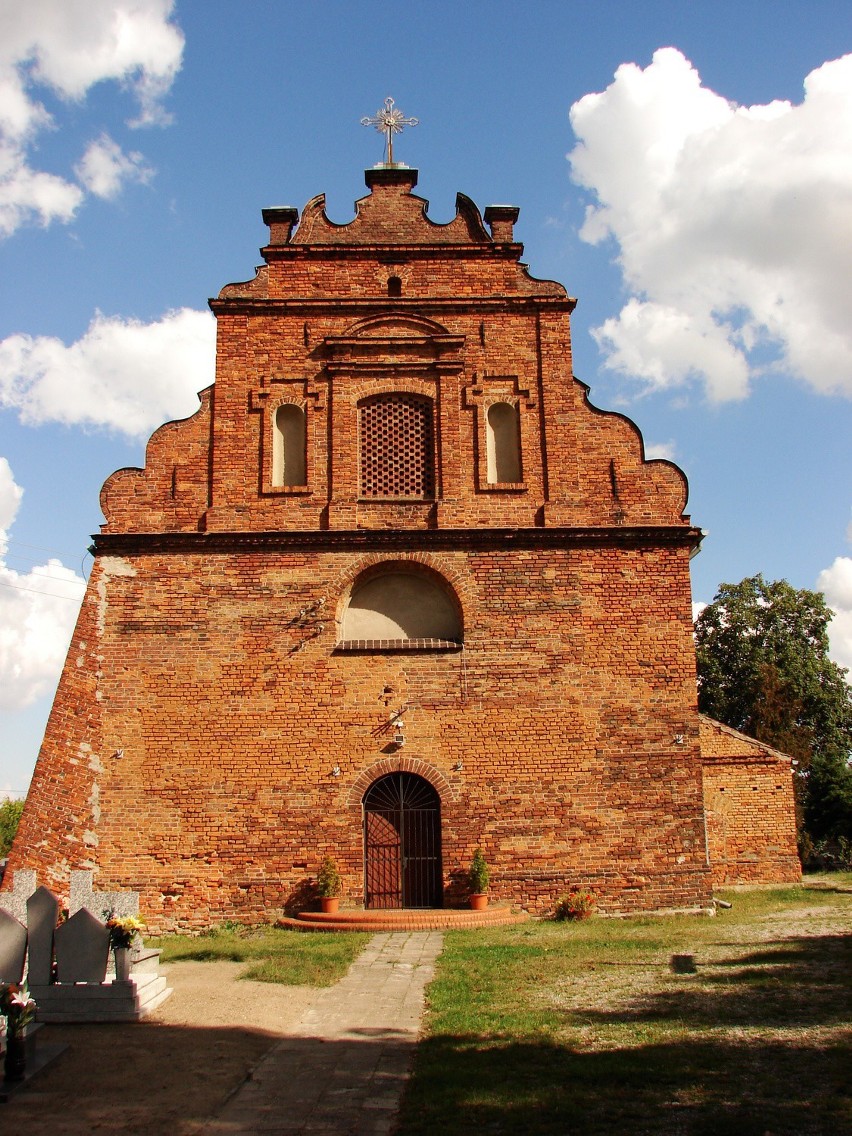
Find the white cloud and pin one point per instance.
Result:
(104, 168)
(38, 610)
(121, 375)
(654, 451)
(836, 585)
(67, 46)
(733, 226)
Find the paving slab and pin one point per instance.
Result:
(342, 1069)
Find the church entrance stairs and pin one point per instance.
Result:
(405, 919)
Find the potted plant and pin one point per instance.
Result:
(478, 878)
(328, 885)
(123, 929)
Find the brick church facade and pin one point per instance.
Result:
(397, 590)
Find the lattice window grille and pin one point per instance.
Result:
(397, 447)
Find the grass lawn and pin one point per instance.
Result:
(558, 1028)
(288, 957)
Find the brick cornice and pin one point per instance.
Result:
(304, 305)
(393, 540)
(394, 252)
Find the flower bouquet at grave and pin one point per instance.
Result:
(123, 929)
(17, 1007)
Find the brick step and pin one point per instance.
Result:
(450, 919)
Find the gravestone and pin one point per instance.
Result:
(83, 896)
(15, 901)
(42, 910)
(82, 949)
(13, 948)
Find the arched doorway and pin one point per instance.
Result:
(402, 843)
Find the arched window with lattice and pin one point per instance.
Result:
(397, 447)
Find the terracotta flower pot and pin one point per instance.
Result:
(478, 901)
(330, 903)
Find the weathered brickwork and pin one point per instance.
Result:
(748, 792)
(215, 733)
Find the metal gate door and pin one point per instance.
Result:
(402, 842)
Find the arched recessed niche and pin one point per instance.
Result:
(288, 450)
(398, 605)
(503, 444)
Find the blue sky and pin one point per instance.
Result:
(697, 201)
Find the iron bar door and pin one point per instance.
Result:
(402, 843)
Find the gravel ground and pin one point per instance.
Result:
(167, 1074)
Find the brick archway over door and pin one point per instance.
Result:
(402, 843)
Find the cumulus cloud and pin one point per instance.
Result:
(38, 610)
(122, 375)
(733, 227)
(67, 46)
(104, 168)
(836, 585)
(655, 451)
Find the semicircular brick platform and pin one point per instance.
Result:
(405, 919)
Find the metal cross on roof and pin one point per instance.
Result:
(389, 121)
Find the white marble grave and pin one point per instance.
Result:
(81, 987)
(13, 948)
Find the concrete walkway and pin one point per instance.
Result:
(343, 1070)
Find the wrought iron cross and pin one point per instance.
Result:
(389, 121)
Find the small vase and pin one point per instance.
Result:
(122, 964)
(330, 903)
(15, 1062)
(478, 901)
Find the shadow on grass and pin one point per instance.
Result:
(697, 1088)
(797, 984)
(749, 1046)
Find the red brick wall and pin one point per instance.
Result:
(204, 677)
(223, 711)
(748, 794)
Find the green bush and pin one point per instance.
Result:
(479, 875)
(10, 815)
(328, 878)
(577, 904)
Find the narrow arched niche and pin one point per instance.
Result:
(288, 453)
(398, 605)
(503, 444)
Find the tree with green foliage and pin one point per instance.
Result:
(763, 668)
(10, 815)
